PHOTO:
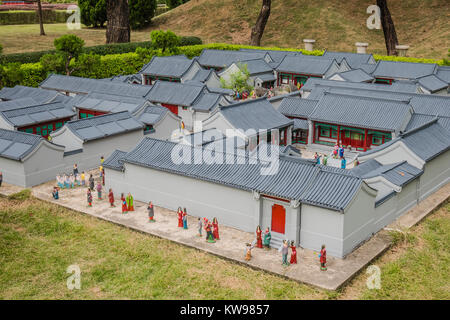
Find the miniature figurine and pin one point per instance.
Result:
(267, 238)
(356, 162)
(323, 258)
(209, 234)
(215, 224)
(284, 249)
(99, 190)
(151, 212)
(78, 179)
(343, 163)
(60, 181)
(75, 169)
(124, 204)
(317, 158)
(66, 181)
(184, 217)
(91, 182)
(200, 227)
(102, 159)
(111, 198)
(258, 237)
(83, 179)
(248, 251)
(130, 202)
(180, 217)
(325, 160)
(89, 198)
(55, 193)
(335, 150)
(103, 176)
(72, 181)
(341, 152)
(1, 178)
(293, 253)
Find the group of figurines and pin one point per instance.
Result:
(211, 227)
(263, 241)
(338, 153)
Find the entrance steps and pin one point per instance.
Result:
(277, 240)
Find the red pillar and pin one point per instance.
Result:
(365, 139)
(314, 132)
(339, 134)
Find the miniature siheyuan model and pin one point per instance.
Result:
(151, 212)
(111, 198)
(89, 197)
(215, 224)
(180, 217)
(130, 205)
(184, 215)
(267, 238)
(259, 237)
(293, 253)
(99, 190)
(124, 203)
(248, 251)
(323, 258)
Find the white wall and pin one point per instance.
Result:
(165, 127)
(66, 138)
(436, 174)
(13, 172)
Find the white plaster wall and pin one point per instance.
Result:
(407, 198)
(385, 213)
(436, 174)
(164, 129)
(321, 226)
(13, 172)
(5, 124)
(232, 207)
(67, 139)
(186, 116)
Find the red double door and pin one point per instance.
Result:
(171, 107)
(278, 218)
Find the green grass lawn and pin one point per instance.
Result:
(38, 241)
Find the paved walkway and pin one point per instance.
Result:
(232, 243)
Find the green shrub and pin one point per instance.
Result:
(407, 59)
(31, 17)
(21, 196)
(92, 12)
(141, 13)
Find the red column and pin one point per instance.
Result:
(314, 132)
(339, 134)
(365, 139)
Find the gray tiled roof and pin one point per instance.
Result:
(37, 114)
(16, 145)
(131, 78)
(202, 75)
(355, 60)
(300, 124)
(103, 126)
(427, 141)
(295, 107)
(432, 83)
(296, 179)
(181, 94)
(16, 104)
(257, 66)
(266, 77)
(86, 85)
(399, 174)
(152, 114)
(174, 67)
(418, 120)
(254, 114)
(312, 83)
(368, 67)
(355, 75)
(111, 103)
(276, 55)
(114, 161)
(204, 137)
(37, 94)
(207, 102)
(363, 112)
(444, 73)
(407, 70)
(305, 64)
(224, 58)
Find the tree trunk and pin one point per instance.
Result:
(118, 25)
(258, 29)
(390, 36)
(41, 22)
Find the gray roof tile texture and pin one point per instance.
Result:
(16, 145)
(355, 60)
(363, 112)
(224, 58)
(432, 83)
(295, 107)
(296, 179)
(37, 114)
(37, 94)
(114, 161)
(407, 70)
(103, 126)
(174, 67)
(254, 114)
(356, 75)
(174, 93)
(17, 103)
(305, 64)
(152, 114)
(110, 103)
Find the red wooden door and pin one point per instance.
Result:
(357, 139)
(278, 218)
(171, 107)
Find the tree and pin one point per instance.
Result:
(166, 41)
(390, 36)
(175, 3)
(118, 27)
(258, 29)
(238, 81)
(67, 47)
(141, 13)
(93, 12)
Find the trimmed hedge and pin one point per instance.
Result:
(31, 17)
(130, 63)
(105, 49)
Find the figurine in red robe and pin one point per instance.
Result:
(180, 217)
(323, 258)
(293, 253)
(111, 198)
(215, 224)
(89, 197)
(259, 237)
(124, 203)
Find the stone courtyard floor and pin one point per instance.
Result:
(231, 245)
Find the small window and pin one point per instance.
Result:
(44, 133)
(325, 132)
(38, 130)
(377, 140)
(58, 125)
(334, 133)
(29, 130)
(185, 108)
